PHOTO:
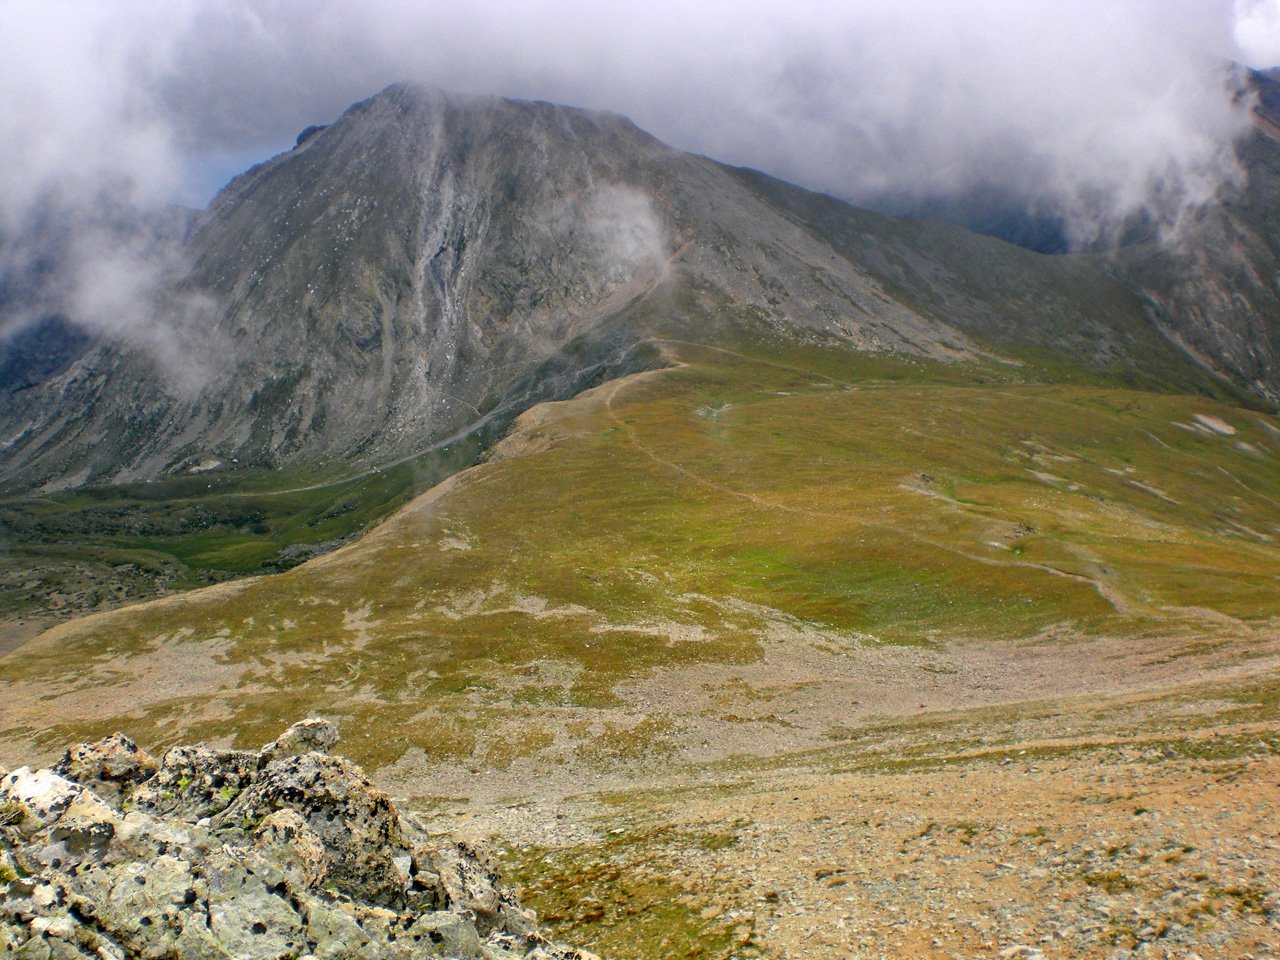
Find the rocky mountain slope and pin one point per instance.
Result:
(284, 853)
(431, 262)
(1215, 291)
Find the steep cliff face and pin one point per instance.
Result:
(1216, 291)
(431, 261)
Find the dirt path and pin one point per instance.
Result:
(1115, 598)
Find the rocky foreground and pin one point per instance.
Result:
(284, 853)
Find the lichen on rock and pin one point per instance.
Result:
(285, 854)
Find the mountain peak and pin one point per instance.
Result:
(414, 98)
(433, 263)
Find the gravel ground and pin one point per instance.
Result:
(1161, 843)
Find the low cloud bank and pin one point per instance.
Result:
(1091, 111)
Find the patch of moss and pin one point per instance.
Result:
(1251, 898)
(12, 813)
(1112, 881)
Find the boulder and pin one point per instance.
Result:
(86, 828)
(472, 883)
(195, 782)
(247, 916)
(305, 736)
(288, 840)
(260, 856)
(356, 823)
(112, 767)
(43, 794)
(446, 934)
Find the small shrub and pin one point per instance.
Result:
(1112, 881)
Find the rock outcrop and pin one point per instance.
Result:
(286, 853)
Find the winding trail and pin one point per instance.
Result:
(515, 408)
(1114, 598)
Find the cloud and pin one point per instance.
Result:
(1088, 109)
(1257, 32)
(89, 162)
(627, 236)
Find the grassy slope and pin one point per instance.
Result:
(66, 554)
(674, 518)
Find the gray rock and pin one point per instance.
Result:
(471, 882)
(333, 929)
(196, 781)
(355, 821)
(289, 841)
(112, 767)
(246, 918)
(303, 858)
(305, 736)
(44, 794)
(446, 934)
(86, 827)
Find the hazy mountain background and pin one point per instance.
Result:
(916, 105)
(430, 262)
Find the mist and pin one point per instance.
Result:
(1092, 111)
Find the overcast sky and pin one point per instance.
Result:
(1083, 105)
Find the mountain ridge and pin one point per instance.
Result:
(429, 261)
